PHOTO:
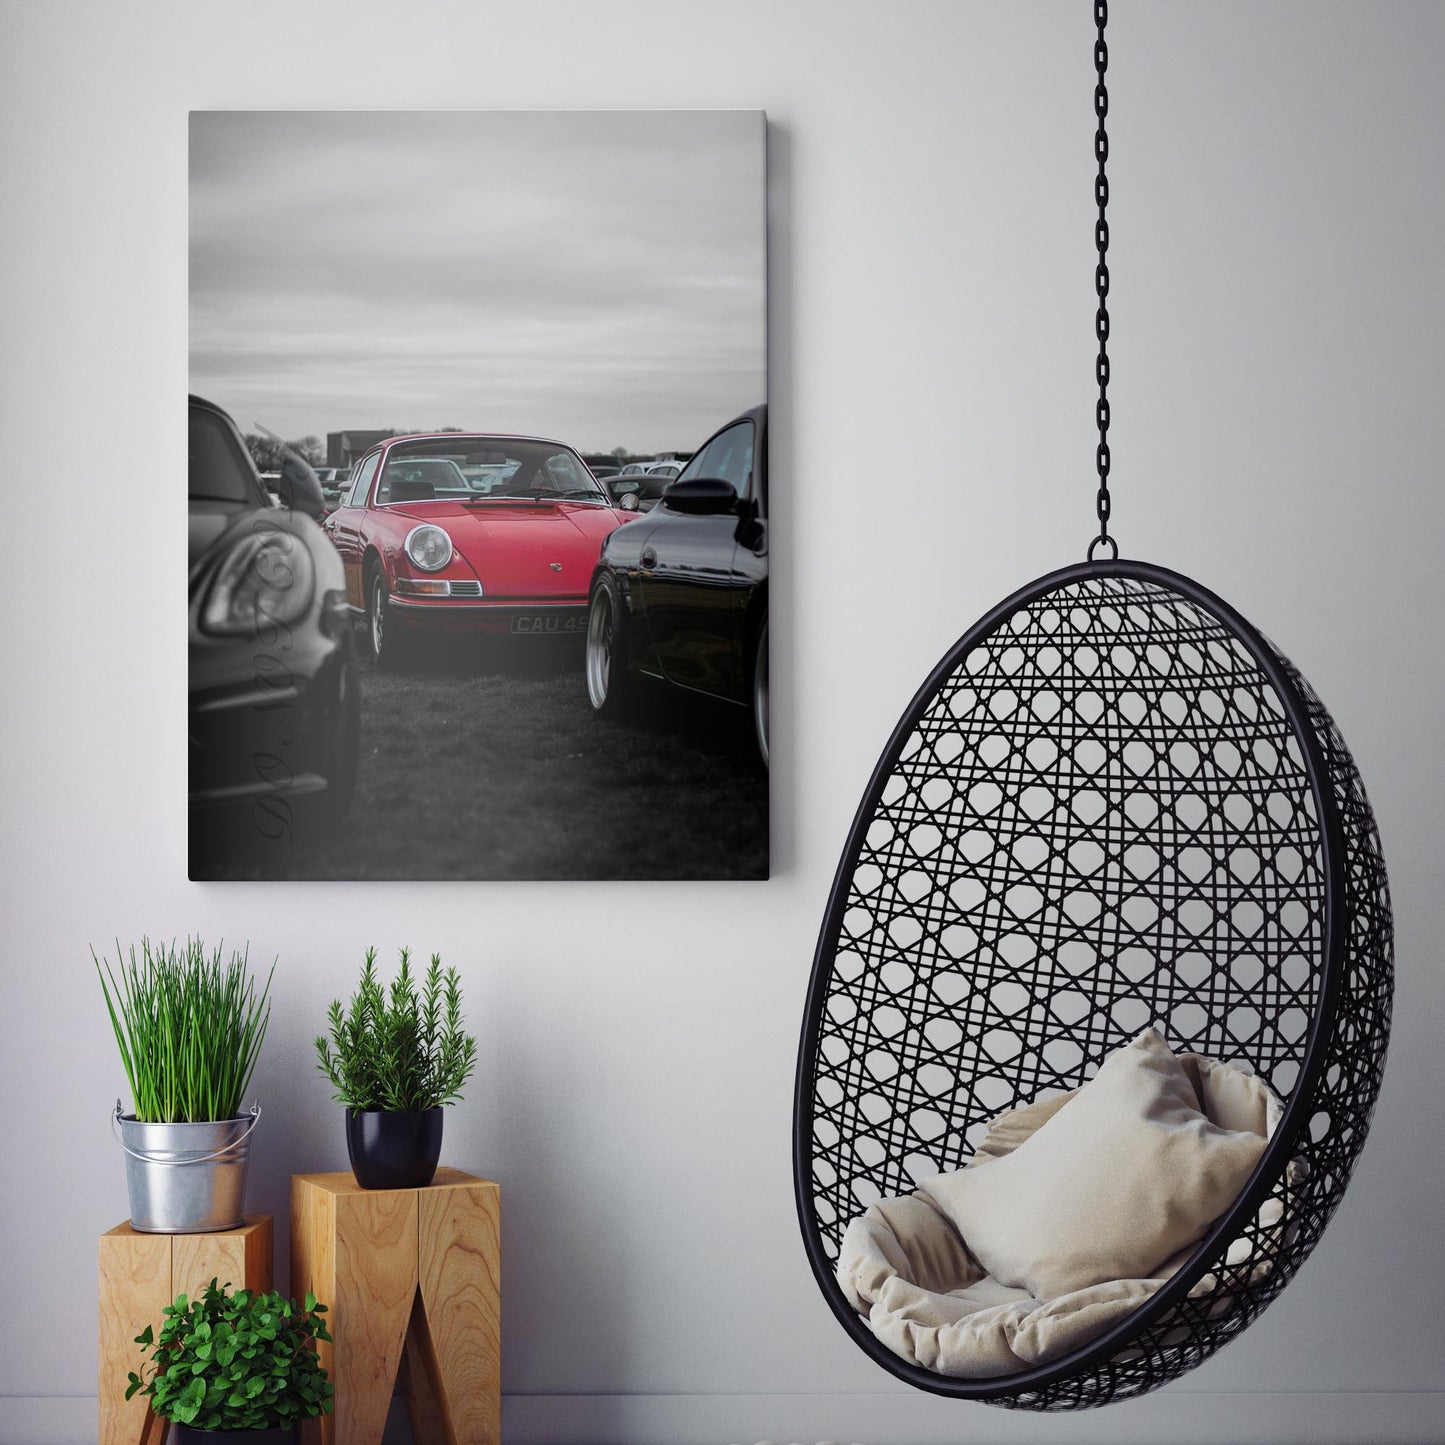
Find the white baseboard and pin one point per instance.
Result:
(914, 1418)
(1180, 1417)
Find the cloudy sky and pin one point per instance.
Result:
(597, 277)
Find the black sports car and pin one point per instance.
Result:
(681, 594)
(273, 701)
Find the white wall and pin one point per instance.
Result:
(1279, 296)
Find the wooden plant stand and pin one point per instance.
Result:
(140, 1274)
(411, 1278)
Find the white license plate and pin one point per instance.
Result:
(549, 622)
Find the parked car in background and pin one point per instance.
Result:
(274, 719)
(413, 477)
(645, 481)
(490, 475)
(601, 465)
(334, 482)
(681, 595)
(470, 532)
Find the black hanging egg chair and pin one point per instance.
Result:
(1113, 804)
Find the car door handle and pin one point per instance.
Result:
(648, 558)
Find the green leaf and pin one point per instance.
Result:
(239, 1360)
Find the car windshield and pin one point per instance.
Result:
(220, 469)
(480, 468)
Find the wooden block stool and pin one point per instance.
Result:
(411, 1278)
(140, 1274)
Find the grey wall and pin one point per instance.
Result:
(1279, 290)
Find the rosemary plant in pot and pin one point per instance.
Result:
(236, 1367)
(190, 1027)
(395, 1057)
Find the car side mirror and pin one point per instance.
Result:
(702, 496)
(297, 488)
(628, 501)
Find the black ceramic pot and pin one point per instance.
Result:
(394, 1150)
(189, 1435)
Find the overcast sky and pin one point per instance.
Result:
(597, 277)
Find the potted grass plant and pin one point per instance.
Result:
(235, 1369)
(395, 1057)
(189, 1025)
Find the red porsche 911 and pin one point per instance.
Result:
(463, 532)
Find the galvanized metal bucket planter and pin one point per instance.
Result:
(186, 1178)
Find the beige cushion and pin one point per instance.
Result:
(1118, 1179)
(907, 1269)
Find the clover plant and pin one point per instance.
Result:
(242, 1361)
(394, 1049)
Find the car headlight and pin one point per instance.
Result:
(428, 547)
(266, 577)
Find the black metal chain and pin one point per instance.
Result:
(1103, 505)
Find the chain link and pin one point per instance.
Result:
(1103, 505)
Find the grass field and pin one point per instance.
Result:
(486, 761)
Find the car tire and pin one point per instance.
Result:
(383, 632)
(760, 693)
(610, 687)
